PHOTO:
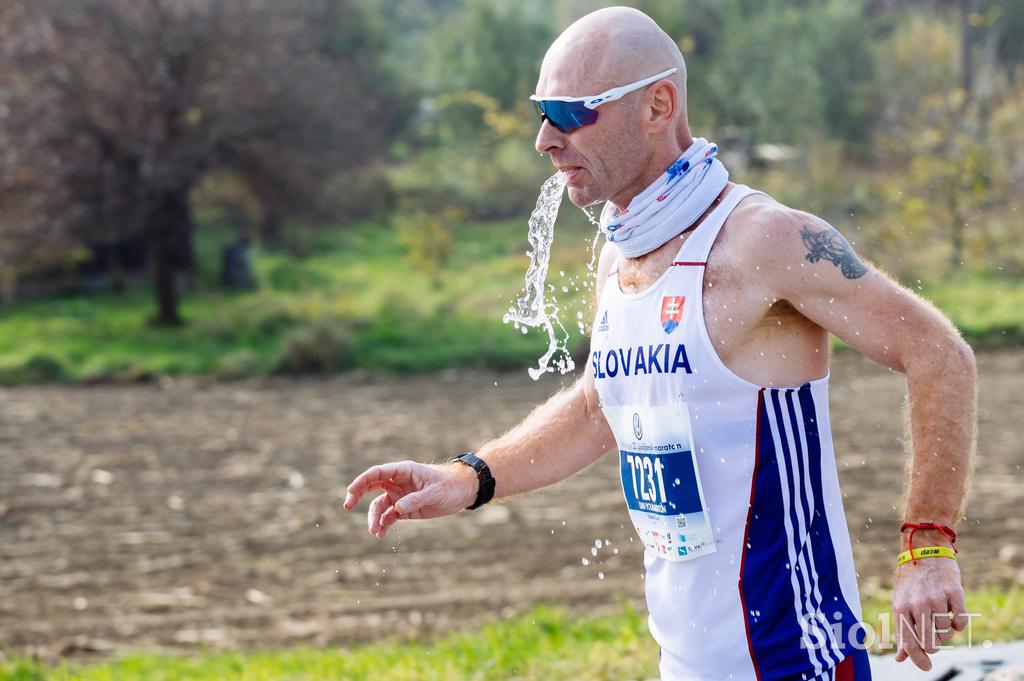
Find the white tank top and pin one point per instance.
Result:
(732, 488)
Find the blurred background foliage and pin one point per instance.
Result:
(368, 166)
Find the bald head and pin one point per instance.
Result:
(633, 138)
(607, 48)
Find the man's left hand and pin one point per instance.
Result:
(928, 604)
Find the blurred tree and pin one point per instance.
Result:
(491, 47)
(938, 96)
(783, 70)
(124, 106)
(428, 239)
(26, 240)
(472, 144)
(1010, 31)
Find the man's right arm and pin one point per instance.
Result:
(559, 438)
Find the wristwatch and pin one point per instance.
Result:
(483, 475)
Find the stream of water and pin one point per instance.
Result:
(533, 309)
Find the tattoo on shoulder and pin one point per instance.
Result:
(830, 245)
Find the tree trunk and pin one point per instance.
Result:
(185, 253)
(118, 283)
(956, 257)
(8, 286)
(165, 233)
(270, 229)
(967, 38)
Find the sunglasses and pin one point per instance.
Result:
(569, 113)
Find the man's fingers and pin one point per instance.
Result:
(920, 658)
(943, 627)
(926, 627)
(913, 639)
(373, 515)
(387, 519)
(912, 649)
(908, 640)
(959, 609)
(370, 479)
(942, 620)
(410, 505)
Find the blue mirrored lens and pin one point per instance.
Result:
(566, 116)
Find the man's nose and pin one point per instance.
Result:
(549, 138)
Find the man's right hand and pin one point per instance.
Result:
(412, 491)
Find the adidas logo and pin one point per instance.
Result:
(603, 326)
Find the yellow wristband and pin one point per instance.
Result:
(926, 552)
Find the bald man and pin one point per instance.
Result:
(709, 377)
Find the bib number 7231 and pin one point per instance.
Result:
(648, 480)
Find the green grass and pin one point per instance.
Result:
(357, 301)
(988, 310)
(546, 644)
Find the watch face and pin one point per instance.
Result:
(473, 460)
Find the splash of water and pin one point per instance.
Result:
(596, 222)
(531, 309)
(589, 280)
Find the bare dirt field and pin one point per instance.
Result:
(186, 514)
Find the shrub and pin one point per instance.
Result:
(36, 368)
(323, 348)
(262, 314)
(295, 276)
(427, 239)
(238, 364)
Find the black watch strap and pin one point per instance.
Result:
(483, 475)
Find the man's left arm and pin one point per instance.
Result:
(816, 270)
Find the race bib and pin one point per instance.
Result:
(660, 479)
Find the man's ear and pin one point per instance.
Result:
(662, 100)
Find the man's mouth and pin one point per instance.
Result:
(571, 172)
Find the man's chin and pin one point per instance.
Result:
(581, 198)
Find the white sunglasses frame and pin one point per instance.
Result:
(609, 95)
